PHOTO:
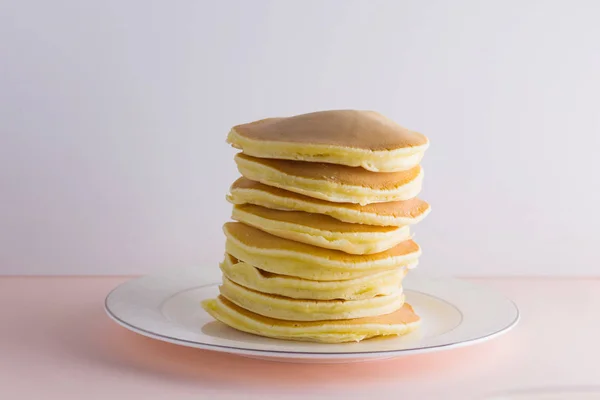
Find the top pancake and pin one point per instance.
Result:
(366, 130)
(346, 137)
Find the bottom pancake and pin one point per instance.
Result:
(399, 322)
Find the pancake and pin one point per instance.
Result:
(286, 257)
(395, 213)
(322, 230)
(399, 322)
(280, 307)
(337, 183)
(347, 137)
(366, 287)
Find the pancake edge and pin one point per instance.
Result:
(330, 191)
(239, 196)
(330, 332)
(358, 243)
(400, 159)
(368, 286)
(284, 308)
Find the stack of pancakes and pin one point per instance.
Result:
(322, 241)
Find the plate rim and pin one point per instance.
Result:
(271, 353)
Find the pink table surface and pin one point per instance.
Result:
(57, 343)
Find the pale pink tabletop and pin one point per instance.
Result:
(57, 343)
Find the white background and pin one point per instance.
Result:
(113, 116)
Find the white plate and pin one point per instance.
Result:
(454, 313)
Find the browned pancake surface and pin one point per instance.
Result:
(256, 238)
(340, 174)
(317, 221)
(409, 208)
(367, 130)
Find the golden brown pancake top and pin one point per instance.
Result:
(256, 238)
(317, 221)
(404, 315)
(344, 128)
(409, 208)
(340, 174)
